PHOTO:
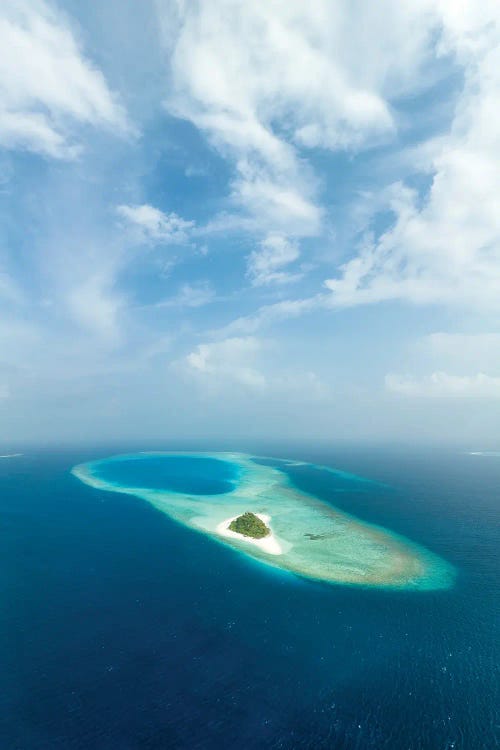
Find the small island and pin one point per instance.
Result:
(249, 524)
(251, 528)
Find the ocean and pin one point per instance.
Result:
(123, 629)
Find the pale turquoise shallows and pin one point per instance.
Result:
(317, 540)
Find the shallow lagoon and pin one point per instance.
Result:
(318, 540)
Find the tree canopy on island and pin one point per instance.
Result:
(249, 524)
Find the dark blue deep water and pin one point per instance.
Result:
(122, 630)
(197, 475)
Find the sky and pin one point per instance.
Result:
(250, 220)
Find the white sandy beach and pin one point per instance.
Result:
(268, 543)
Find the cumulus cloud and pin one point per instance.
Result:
(47, 85)
(243, 363)
(279, 201)
(266, 265)
(444, 385)
(232, 359)
(446, 247)
(154, 225)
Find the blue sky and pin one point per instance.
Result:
(243, 219)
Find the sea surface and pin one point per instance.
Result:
(121, 629)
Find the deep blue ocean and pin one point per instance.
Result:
(183, 474)
(122, 630)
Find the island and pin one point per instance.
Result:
(251, 528)
(249, 524)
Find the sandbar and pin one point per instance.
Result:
(267, 544)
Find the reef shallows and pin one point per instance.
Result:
(314, 539)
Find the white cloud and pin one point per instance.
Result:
(276, 201)
(156, 226)
(265, 81)
(269, 314)
(46, 83)
(191, 295)
(265, 265)
(296, 81)
(448, 249)
(96, 307)
(232, 360)
(461, 351)
(246, 362)
(444, 385)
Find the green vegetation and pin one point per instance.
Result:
(249, 525)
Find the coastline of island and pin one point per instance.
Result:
(267, 543)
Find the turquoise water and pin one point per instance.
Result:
(314, 539)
